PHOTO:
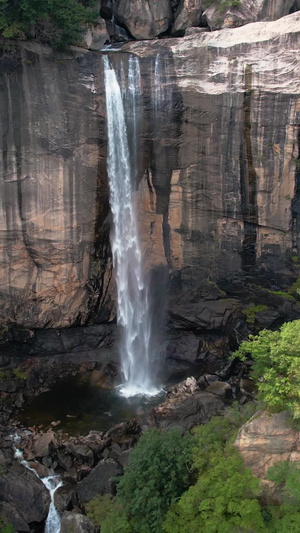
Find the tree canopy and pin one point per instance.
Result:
(276, 356)
(55, 22)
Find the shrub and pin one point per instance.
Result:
(276, 356)
(157, 474)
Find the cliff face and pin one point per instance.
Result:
(218, 193)
(49, 165)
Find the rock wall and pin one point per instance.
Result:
(217, 191)
(49, 181)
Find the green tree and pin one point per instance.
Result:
(157, 474)
(224, 498)
(55, 22)
(276, 356)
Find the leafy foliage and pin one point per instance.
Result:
(55, 22)
(157, 474)
(108, 513)
(276, 356)
(224, 498)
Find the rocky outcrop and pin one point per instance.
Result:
(267, 439)
(185, 407)
(230, 15)
(187, 15)
(143, 18)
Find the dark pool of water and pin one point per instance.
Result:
(81, 407)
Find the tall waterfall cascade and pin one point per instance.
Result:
(133, 312)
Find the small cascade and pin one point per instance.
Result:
(132, 290)
(51, 482)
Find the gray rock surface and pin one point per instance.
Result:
(144, 19)
(24, 491)
(77, 523)
(185, 407)
(218, 16)
(99, 481)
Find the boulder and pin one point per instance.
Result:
(188, 14)
(145, 19)
(99, 35)
(185, 407)
(44, 444)
(77, 523)
(22, 489)
(65, 497)
(124, 432)
(99, 481)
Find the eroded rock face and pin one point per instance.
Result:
(144, 19)
(267, 439)
(218, 16)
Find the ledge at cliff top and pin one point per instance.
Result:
(217, 186)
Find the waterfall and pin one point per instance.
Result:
(132, 291)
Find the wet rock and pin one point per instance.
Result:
(187, 15)
(65, 497)
(99, 481)
(24, 490)
(41, 470)
(77, 523)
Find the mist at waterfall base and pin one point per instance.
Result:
(137, 352)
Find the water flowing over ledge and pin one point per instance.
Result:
(132, 288)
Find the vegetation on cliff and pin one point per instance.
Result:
(276, 356)
(55, 22)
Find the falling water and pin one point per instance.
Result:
(52, 483)
(132, 291)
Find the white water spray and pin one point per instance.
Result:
(132, 291)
